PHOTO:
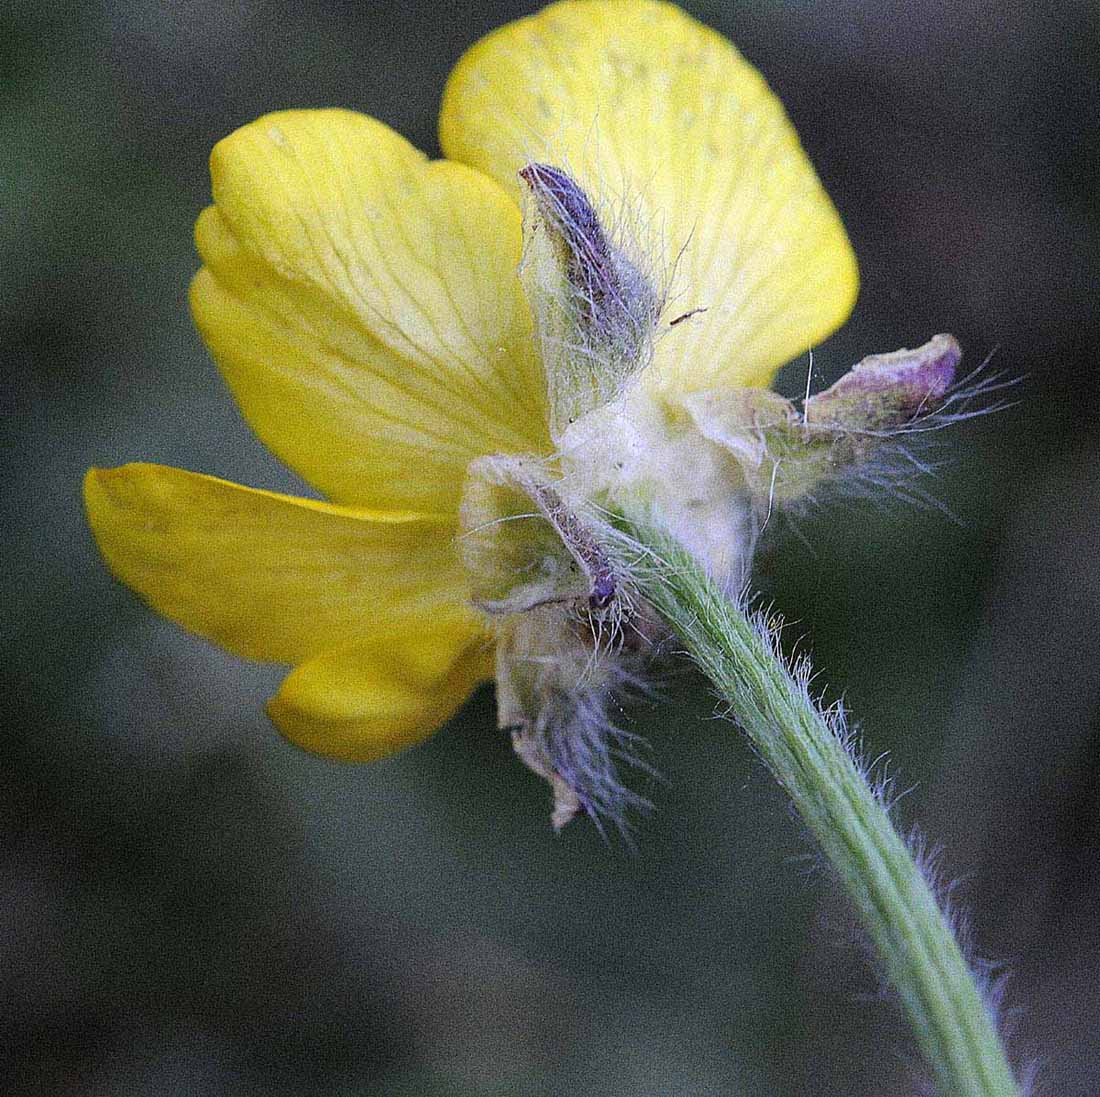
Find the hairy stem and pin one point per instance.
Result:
(954, 1025)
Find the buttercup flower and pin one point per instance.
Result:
(478, 359)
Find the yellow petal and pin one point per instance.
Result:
(365, 702)
(269, 576)
(363, 305)
(655, 114)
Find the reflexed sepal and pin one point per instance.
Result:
(594, 308)
(785, 455)
(887, 391)
(552, 697)
(524, 546)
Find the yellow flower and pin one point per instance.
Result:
(364, 307)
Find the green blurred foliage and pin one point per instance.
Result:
(192, 906)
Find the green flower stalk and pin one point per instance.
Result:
(811, 756)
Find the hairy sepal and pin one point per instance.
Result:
(525, 546)
(885, 392)
(553, 697)
(785, 455)
(549, 575)
(595, 310)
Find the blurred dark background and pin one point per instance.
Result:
(189, 905)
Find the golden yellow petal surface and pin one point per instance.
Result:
(270, 576)
(363, 305)
(371, 700)
(684, 149)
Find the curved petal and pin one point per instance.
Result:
(371, 700)
(363, 305)
(269, 576)
(658, 116)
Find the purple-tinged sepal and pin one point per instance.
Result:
(525, 546)
(594, 308)
(554, 699)
(888, 391)
(785, 454)
(547, 571)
